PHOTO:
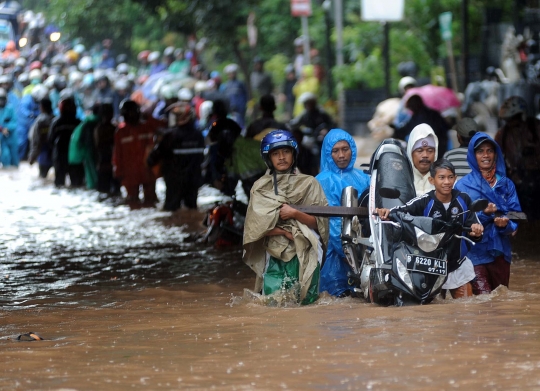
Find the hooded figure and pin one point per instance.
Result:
(307, 83)
(492, 256)
(422, 131)
(281, 245)
(333, 180)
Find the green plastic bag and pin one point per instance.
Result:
(282, 276)
(246, 158)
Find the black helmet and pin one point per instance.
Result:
(128, 105)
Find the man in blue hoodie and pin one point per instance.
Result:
(338, 155)
(492, 256)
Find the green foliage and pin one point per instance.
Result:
(365, 72)
(135, 25)
(276, 66)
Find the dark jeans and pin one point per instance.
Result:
(106, 183)
(44, 170)
(490, 275)
(178, 191)
(75, 172)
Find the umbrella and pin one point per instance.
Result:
(435, 97)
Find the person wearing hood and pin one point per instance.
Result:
(307, 83)
(236, 92)
(59, 137)
(492, 256)
(27, 112)
(338, 156)
(283, 245)
(422, 151)
(8, 137)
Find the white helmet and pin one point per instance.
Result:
(122, 68)
(153, 56)
(3, 93)
(121, 84)
(79, 48)
(231, 68)
(20, 62)
(49, 83)
(405, 82)
(39, 92)
(35, 74)
(85, 64)
(205, 109)
(169, 51)
(5, 79)
(167, 91)
(306, 96)
(75, 77)
(23, 77)
(200, 86)
(185, 94)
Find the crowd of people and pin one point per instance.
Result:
(106, 125)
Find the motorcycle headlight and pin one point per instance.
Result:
(404, 273)
(427, 243)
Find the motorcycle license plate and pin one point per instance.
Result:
(419, 263)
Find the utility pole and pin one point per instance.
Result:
(338, 9)
(465, 43)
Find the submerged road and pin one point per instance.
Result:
(124, 300)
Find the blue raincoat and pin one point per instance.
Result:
(333, 180)
(27, 112)
(9, 143)
(496, 241)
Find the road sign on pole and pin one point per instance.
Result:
(301, 8)
(445, 24)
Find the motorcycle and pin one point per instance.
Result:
(402, 260)
(225, 222)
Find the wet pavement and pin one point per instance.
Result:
(126, 300)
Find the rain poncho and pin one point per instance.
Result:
(9, 142)
(82, 149)
(308, 83)
(27, 112)
(263, 216)
(333, 180)
(496, 241)
(421, 182)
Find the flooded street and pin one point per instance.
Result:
(126, 300)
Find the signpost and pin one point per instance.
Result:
(445, 25)
(302, 9)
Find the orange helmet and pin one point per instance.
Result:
(11, 46)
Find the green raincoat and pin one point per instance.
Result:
(82, 149)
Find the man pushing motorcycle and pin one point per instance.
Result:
(449, 205)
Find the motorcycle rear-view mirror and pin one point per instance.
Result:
(386, 192)
(479, 205)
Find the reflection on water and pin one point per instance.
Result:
(125, 300)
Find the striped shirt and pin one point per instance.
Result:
(458, 157)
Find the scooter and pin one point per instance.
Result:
(402, 260)
(225, 222)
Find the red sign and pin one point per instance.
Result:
(301, 7)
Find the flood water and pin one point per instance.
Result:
(125, 300)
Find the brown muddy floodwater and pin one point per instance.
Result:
(125, 301)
